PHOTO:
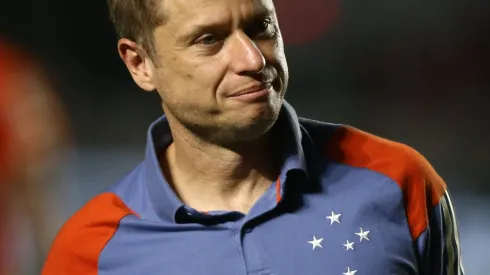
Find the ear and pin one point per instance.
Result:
(137, 62)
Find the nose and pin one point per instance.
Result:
(245, 56)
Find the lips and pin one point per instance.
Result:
(253, 89)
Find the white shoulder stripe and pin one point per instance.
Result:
(454, 263)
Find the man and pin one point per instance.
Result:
(32, 133)
(234, 182)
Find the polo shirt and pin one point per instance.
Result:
(345, 203)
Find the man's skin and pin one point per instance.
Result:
(220, 69)
(206, 53)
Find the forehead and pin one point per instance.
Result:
(202, 11)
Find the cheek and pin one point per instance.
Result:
(189, 84)
(206, 76)
(279, 51)
(274, 54)
(281, 64)
(273, 51)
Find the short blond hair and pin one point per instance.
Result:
(136, 20)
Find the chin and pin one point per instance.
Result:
(252, 127)
(262, 110)
(242, 124)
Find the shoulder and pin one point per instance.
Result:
(82, 238)
(421, 185)
(400, 162)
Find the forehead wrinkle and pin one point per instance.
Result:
(256, 8)
(247, 9)
(190, 17)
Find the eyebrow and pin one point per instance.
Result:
(194, 30)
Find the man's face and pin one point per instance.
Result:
(221, 70)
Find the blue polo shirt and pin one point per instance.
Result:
(346, 202)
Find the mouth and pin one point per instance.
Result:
(252, 90)
(254, 93)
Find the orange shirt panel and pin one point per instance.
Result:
(422, 187)
(79, 243)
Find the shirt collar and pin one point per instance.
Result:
(289, 133)
(164, 200)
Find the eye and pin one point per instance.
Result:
(265, 24)
(264, 28)
(208, 40)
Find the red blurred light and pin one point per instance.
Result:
(303, 21)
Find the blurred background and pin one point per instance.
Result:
(414, 71)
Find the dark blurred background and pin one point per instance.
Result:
(414, 71)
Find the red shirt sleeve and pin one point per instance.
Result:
(427, 202)
(81, 240)
(419, 182)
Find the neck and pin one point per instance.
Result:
(210, 177)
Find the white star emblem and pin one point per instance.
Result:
(334, 218)
(349, 246)
(316, 242)
(363, 235)
(350, 272)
